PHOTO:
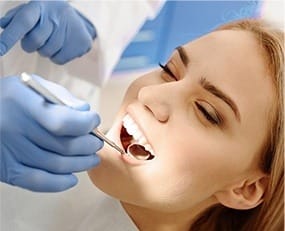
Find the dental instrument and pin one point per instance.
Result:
(30, 82)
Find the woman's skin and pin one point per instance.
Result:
(206, 121)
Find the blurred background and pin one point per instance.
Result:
(177, 23)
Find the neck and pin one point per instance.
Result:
(149, 219)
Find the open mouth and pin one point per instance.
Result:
(133, 140)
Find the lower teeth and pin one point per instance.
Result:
(138, 152)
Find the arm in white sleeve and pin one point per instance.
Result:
(116, 23)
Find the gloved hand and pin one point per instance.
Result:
(42, 144)
(53, 28)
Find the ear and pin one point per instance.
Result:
(245, 194)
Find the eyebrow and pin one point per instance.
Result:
(220, 94)
(183, 55)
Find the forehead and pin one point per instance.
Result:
(229, 47)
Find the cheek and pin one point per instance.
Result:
(201, 162)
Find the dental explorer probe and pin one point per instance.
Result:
(29, 81)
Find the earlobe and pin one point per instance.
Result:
(244, 195)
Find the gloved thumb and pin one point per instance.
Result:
(64, 94)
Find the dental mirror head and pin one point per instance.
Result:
(139, 152)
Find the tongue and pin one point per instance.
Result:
(139, 152)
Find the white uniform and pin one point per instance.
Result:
(116, 23)
(83, 208)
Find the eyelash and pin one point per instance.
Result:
(167, 71)
(208, 116)
(205, 113)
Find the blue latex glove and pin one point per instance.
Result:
(53, 28)
(42, 144)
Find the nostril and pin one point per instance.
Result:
(163, 114)
(160, 112)
(155, 102)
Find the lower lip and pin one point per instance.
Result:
(132, 160)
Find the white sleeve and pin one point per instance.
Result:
(116, 23)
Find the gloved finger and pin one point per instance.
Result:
(36, 157)
(64, 121)
(37, 37)
(57, 119)
(54, 43)
(70, 49)
(41, 181)
(89, 26)
(81, 145)
(23, 21)
(64, 94)
(5, 20)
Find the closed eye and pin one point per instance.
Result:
(167, 71)
(214, 119)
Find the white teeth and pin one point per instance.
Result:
(142, 140)
(147, 147)
(136, 135)
(133, 129)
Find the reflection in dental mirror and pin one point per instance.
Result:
(139, 152)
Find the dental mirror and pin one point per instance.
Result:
(139, 152)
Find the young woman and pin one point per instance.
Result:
(212, 121)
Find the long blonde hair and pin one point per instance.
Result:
(269, 216)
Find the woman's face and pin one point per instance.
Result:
(205, 118)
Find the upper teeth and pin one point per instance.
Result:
(133, 129)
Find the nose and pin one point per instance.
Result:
(155, 99)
